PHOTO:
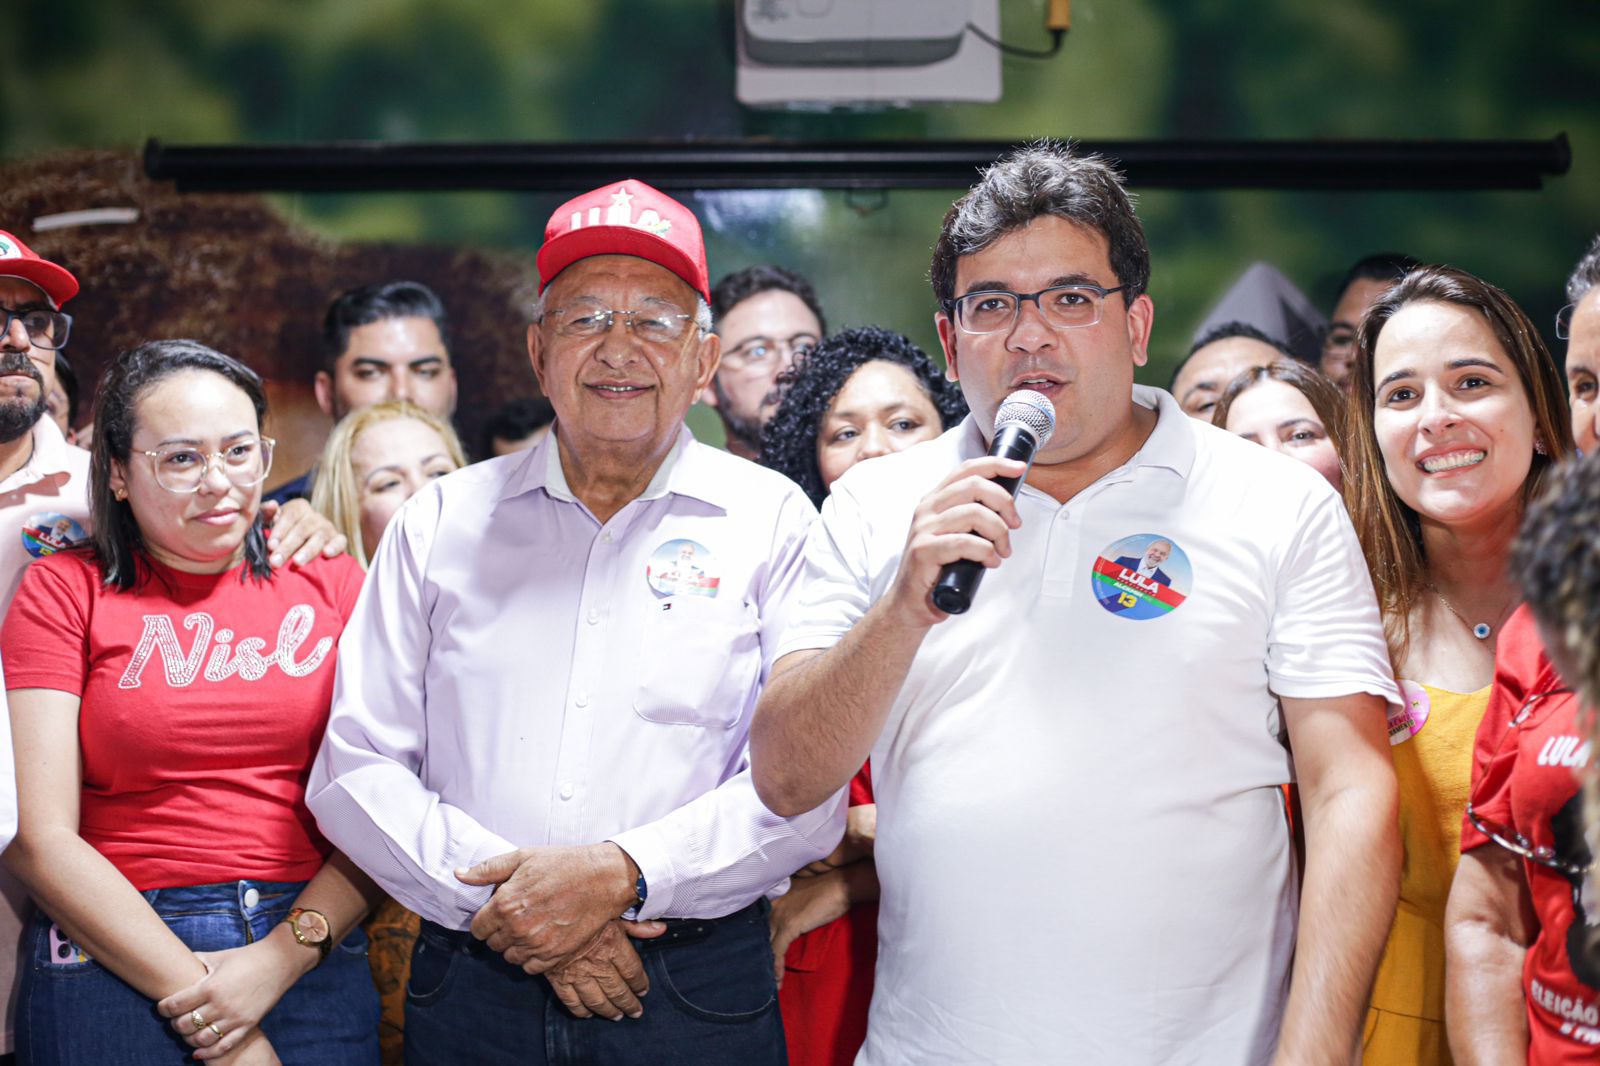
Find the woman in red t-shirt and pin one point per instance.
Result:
(1521, 917)
(168, 691)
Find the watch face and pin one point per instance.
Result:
(313, 926)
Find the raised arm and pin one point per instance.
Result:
(1351, 804)
(822, 710)
(1488, 926)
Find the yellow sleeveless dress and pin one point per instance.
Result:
(1431, 741)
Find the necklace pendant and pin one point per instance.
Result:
(1481, 630)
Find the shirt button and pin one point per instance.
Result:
(606, 537)
(593, 616)
(251, 897)
(566, 791)
(582, 700)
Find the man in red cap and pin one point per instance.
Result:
(538, 733)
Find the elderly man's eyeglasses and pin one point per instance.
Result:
(1564, 321)
(179, 468)
(656, 326)
(46, 329)
(1063, 306)
(762, 351)
(1504, 835)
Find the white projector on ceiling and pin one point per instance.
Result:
(851, 33)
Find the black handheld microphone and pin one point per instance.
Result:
(1021, 427)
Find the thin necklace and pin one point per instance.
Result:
(1481, 630)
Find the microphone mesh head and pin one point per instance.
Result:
(1029, 409)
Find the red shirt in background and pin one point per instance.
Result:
(1526, 781)
(827, 977)
(204, 699)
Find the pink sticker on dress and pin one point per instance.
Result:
(1412, 715)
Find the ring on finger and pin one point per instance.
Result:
(214, 1029)
(198, 1019)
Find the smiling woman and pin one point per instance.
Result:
(1457, 413)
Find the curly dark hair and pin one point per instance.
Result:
(789, 443)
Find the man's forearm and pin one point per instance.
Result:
(816, 723)
(1346, 910)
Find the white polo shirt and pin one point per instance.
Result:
(1081, 837)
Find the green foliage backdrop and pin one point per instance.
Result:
(109, 73)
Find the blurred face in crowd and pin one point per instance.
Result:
(882, 408)
(1277, 415)
(1339, 344)
(1583, 371)
(59, 409)
(1086, 372)
(621, 392)
(186, 418)
(760, 336)
(392, 459)
(1452, 420)
(505, 445)
(391, 359)
(27, 372)
(1201, 382)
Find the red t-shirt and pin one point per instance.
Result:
(204, 699)
(1526, 781)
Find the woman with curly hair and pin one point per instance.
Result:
(1457, 413)
(859, 393)
(1523, 980)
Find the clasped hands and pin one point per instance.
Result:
(554, 912)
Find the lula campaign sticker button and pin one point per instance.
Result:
(48, 532)
(1143, 576)
(1407, 721)
(682, 568)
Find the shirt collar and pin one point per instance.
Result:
(51, 454)
(681, 473)
(1170, 445)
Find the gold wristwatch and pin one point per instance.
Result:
(311, 929)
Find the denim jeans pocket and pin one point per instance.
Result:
(433, 960)
(725, 978)
(56, 954)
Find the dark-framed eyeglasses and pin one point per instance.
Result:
(763, 351)
(46, 328)
(1063, 306)
(1564, 321)
(584, 319)
(1530, 713)
(181, 468)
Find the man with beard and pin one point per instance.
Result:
(764, 315)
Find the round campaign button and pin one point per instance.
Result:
(682, 568)
(1407, 720)
(48, 532)
(1143, 576)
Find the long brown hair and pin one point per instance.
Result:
(1389, 530)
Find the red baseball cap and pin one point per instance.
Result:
(17, 260)
(626, 218)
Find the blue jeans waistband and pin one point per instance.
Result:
(679, 931)
(247, 897)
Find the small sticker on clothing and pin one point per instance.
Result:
(1407, 721)
(49, 532)
(1143, 576)
(682, 568)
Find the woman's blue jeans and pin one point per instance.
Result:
(71, 1011)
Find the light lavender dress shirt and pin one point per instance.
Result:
(518, 673)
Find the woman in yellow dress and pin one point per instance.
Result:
(1458, 410)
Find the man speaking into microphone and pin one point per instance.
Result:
(1082, 840)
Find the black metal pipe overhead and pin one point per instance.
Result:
(755, 164)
